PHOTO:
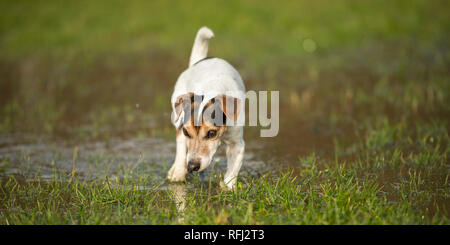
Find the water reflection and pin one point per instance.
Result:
(178, 192)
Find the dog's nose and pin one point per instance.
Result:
(193, 166)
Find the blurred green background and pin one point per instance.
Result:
(72, 63)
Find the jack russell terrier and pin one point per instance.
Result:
(206, 102)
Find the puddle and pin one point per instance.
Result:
(150, 155)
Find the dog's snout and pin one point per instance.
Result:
(193, 166)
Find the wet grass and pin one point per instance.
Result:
(392, 177)
(363, 120)
(335, 195)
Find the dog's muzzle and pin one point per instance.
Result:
(193, 166)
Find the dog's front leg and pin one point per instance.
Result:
(178, 170)
(235, 154)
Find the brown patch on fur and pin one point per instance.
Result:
(191, 129)
(189, 124)
(230, 106)
(179, 103)
(203, 150)
(197, 142)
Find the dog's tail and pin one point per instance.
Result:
(200, 48)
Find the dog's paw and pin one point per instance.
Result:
(228, 186)
(176, 174)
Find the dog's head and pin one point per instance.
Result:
(203, 123)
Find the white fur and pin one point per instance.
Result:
(210, 78)
(200, 48)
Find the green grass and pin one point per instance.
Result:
(332, 196)
(138, 25)
(59, 54)
(392, 178)
(366, 112)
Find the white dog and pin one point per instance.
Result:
(206, 102)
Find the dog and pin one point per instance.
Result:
(207, 104)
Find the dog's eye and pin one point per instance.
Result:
(211, 134)
(185, 132)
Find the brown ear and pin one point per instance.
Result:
(178, 105)
(230, 106)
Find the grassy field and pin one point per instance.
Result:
(383, 186)
(380, 185)
(364, 114)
